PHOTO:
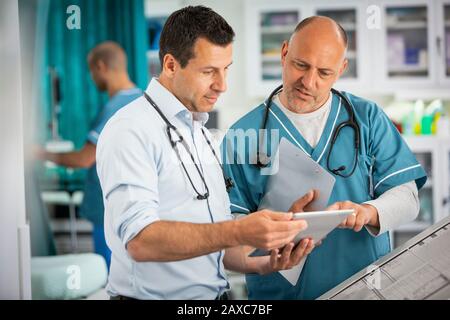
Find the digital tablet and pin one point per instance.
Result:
(320, 223)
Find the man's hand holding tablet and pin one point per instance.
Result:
(364, 214)
(320, 223)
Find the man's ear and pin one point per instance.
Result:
(284, 51)
(101, 66)
(170, 65)
(343, 67)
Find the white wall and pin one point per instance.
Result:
(14, 231)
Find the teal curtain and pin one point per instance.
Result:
(122, 21)
(47, 42)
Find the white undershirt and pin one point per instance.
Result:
(395, 207)
(310, 125)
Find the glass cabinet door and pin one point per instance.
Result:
(446, 191)
(154, 29)
(407, 41)
(427, 211)
(347, 19)
(276, 27)
(447, 39)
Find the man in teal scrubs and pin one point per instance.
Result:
(377, 175)
(108, 67)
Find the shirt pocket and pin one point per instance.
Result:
(365, 168)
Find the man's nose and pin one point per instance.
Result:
(308, 79)
(220, 83)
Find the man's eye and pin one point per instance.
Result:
(207, 72)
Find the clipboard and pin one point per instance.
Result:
(294, 173)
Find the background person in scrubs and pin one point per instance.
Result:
(108, 67)
(383, 188)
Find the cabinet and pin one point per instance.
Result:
(413, 48)
(443, 41)
(433, 153)
(268, 25)
(351, 16)
(407, 51)
(393, 44)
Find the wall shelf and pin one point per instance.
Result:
(401, 25)
(277, 29)
(271, 57)
(408, 68)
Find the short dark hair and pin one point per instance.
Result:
(185, 26)
(309, 20)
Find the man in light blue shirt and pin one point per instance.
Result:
(167, 216)
(108, 66)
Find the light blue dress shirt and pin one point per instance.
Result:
(92, 206)
(143, 182)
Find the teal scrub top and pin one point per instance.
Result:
(92, 206)
(383, 153)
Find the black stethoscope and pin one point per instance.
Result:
(351, 122)
(170, 127)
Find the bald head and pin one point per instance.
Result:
(111, 54)
(323, 26)
(108, 67)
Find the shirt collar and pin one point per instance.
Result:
(129, 92)
(171, 106)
